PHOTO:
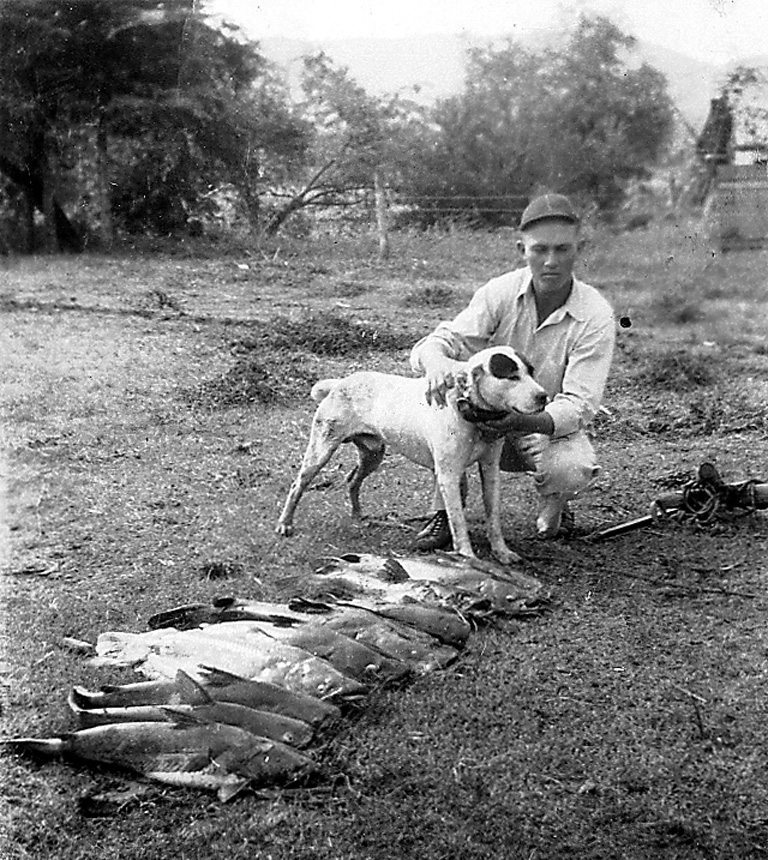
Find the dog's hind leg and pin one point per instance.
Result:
(371, 453)
(322, 444)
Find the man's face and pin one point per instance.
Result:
(550, 249)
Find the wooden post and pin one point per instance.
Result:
(380, 197)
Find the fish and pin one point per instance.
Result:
(222, 609)
(185, 752)
(478, 587)
(276, 727)
(161, 653)
(352, 658)
(218, 685)
(447, 625)
(422, 653)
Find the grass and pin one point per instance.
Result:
(155, 410)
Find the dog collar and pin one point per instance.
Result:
(475, 414)
(469, 411)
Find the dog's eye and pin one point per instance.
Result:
(503, 367)
(528, 365)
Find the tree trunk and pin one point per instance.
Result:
(380, 196)
(44, 176)
(105, 228)
(279, 218)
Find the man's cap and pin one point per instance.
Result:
(548, 206)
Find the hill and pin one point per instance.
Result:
(430, 67)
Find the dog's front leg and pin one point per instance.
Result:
(448, 476)
(491, 480)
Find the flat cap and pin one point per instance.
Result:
(548, 206)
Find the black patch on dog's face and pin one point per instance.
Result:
(503, 367)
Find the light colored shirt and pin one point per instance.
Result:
(571, 351)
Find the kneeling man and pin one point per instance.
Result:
(566, 329)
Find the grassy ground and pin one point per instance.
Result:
(154, 413)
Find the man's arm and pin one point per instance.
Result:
(524, 424)
(582, 389)
(437, 355)
(584, 381)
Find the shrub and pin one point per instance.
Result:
(677, 369)
(429, 296)
(326, 333)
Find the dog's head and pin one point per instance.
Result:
(501, 379)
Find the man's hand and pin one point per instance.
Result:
(522, 424)
(441, 374)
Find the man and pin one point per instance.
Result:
(566, 329)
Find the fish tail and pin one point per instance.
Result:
(36, 746)
(80, 699)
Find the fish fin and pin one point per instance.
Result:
(231, 789)
(190, 690)
(183, 719)
(220, 677)
(75, 701)
(179, 616)
(79, 699)
(303, 604)
(394, 572)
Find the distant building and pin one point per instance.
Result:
(750, 127)
(733, 153)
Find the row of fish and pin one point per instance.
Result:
(239, 689)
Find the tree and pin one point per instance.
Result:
(190, 103)
(358, 143)
(578, 118)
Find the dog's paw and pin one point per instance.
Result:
(284, 529)
(506, 556)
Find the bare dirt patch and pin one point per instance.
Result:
(627, 722)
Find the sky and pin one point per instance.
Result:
(712, 30)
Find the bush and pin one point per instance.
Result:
(326, 333)
(677, 369)
(429, 296)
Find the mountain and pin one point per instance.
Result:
(429, 67)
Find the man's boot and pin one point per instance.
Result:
(436, 534)
(555, 518)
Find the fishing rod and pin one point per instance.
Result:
(701, 500)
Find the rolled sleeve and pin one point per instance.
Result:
(584, 380)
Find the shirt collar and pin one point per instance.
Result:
(575, 305)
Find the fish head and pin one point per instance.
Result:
(507, 598)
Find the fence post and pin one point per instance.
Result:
(380, 198)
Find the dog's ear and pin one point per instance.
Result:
(503, 367)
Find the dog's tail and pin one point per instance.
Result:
(322, 388)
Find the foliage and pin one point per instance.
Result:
(355, 138)
(578, 118)
(183, 105)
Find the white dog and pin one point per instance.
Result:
(375, 410)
